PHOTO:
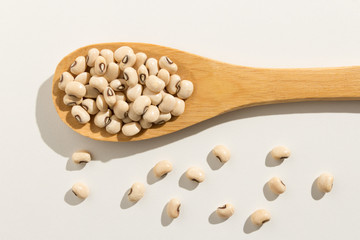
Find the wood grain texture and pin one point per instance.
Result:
(219, 88)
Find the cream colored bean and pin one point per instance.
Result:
(83, 78)
(195, 174)
(155, 97)
(143, 74)
(127, 61)
(91, 92)
(225, 211)
(78, 66)
(167, 104)
(65, 78)
(92, 71)
(155, 84)
(121, 52)
(152, 65)
(145, 124)
(119, 85)
(131, 113)
(276, 185)
(140, 59)
(120, 96)
(134, 92)
(102, 119)
(280, 153)
(100, 83)
(80, 114)
(163, 118)
(130, 76)
(185, 89)
(81, 157)
(179, 107)
(71, 100)
(100, 66)
(120, 109)
(141, 105)
(166, 63)
(164, 75)
(114, 126)
(325, 182)
(90, 106)
(162, 168)
(260, 216)
(222, 153)
(173, 208)
(93, 53)
(101, 104)
(109, 96)
(127, 120)
(152, 114)
(81, 190)
(174, 83)
(75, 89)
(136, 192)
(131, 128)
(108, 55)
(112, 72)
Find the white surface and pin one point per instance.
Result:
(35, 174)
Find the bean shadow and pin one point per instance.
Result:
(215, 219)
(71, 199)
(271, 162)
(249, 227)
(186, 183)
(214, 162)
(125, 202)
(268, 194)
(315, 192)
(165, 219)
(151, 178)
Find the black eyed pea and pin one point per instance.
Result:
(65, 78)
(166, 63)
(101, 103)
(100, 66)
(155, 84)
(162, 168)
(276, 185)
(155, 97)
(141, 105)
(71, 100)
(173, 85)
(93, 53)
(80, 114)
(120, 96)
(78, 66)
(131, 128)
(152, 114)
(136, 192)
(143, 74)
(109, 96)
(185, 89)
(81, 190)
(325, 182)
(163, 118)
(127, 61)
(83, 78)
(179, 107)
(225, 211)
(75, 89)
(119, 85)
(92, 71)
(152, 65)
(120, 109)
(195, 174)
(108, 55)
(90, 106)
(260, 216)
(127, 120)
(91, 92)
(134, 92)
(222, 153)
(131, 113)
(112, 72)
(81, 157)
(100, 83)
(167, 104)
(145, 124)
(280, 153)
(114, 126)
(164, 75)
(102, 119)
(173, 208)
(121, 52)
(130, 76)
(140, 59)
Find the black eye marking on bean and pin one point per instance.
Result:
(195, 180)
(178, 208)
(73, 64)
(74, 193)
(130, 191)
(126, 77)
(85, 107)
(145, 109)
(222, 207)
(61, 78)
(83, 162)
(78, 118)
(87, 59)
(177, 87)
(125, 59)
(282, 183)
(102, 67)
(266, 220)
(168, 60)
(142, 77)
(110, 92)
(107, 121)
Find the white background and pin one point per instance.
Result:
(35, 171)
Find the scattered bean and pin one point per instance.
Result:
(136, 192)
(195, 174)
(260, 216)
(80, 114)
(81, 157)
(78, 66)
(166, 63)
(173, 208)
(81, 190)
(65, 78)
(162, 168)
(102, 119)
(225, 211)
(325, 182)
(75, 89)
(280, 153)
(222, 153)
(276, 185)
(131, 128)
(90, 106)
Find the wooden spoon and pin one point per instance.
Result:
(220, 88)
